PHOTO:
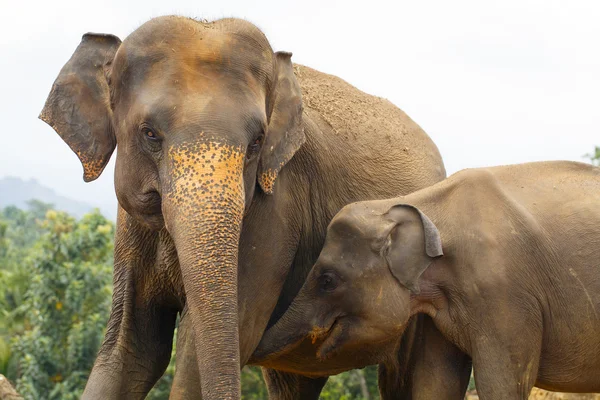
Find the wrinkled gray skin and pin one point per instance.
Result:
(516, 286)
(231, 161)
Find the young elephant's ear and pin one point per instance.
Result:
(285, 132)
(412, 244)
(78, 106)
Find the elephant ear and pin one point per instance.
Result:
(285, 132)
(412, 244)
(78, 106)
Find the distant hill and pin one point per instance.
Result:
(17, 192)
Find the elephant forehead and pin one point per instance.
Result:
(355, 228)
(191, 58)
(178, 90)
(213, 40)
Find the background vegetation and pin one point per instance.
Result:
(55, 293)
(594, 157)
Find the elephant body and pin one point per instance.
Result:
(201, 189)
(505, 260)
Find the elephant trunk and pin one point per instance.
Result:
(203, 207)
(287, 334)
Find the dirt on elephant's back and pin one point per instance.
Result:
(539, 394)
(350, 111)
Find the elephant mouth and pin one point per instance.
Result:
(319, 333)
(320, 336)
(330, 338)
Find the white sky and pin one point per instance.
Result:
(492, 82)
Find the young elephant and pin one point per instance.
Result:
(505, 260)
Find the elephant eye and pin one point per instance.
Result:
(149, 133)
(254, 147)
(328, 282)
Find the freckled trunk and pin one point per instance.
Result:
(208, 259)
(203, 209)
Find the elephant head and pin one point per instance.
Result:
(201, 114)
(357, 297)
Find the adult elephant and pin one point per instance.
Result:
(231, 161)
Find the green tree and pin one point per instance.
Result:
(66, 306)
(19, 231)
(358, 384)
(253, 386)
(594, 157)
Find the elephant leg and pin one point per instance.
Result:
(134, 354)
(506, 353)
(427, 366)
(136, 350)
(391, 385)
(441, 371)
(186, 382)
(287, 386)
(504, 372)
(394, 376)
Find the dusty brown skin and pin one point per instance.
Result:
(7, 392)
(516, 287)
(231, 162)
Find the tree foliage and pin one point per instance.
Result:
(19, 232)
(358, 384)
(65, 307)
(594, 157)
